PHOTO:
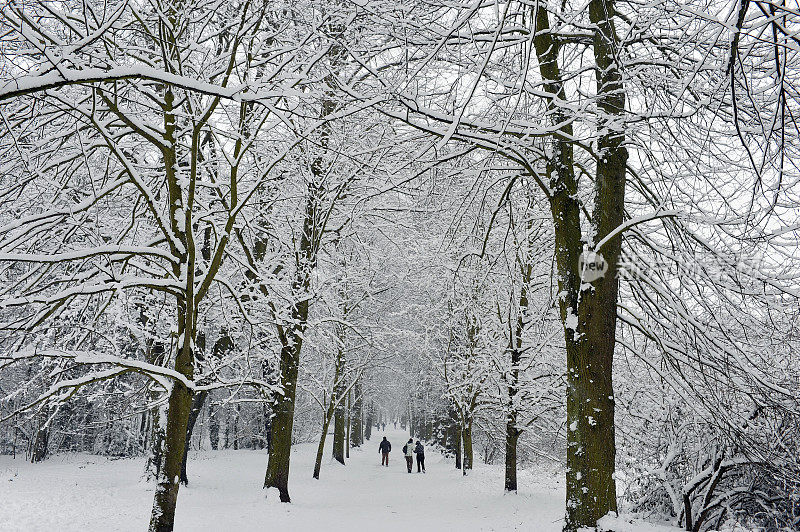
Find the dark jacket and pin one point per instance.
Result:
(385, 446)
(419, 450)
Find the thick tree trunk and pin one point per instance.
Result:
(179, 406)
(291, 338)
(512, 432)
(339, 409)
(590, 406)
(512, 435)
(466, 439)
(166, 496)
(158, 419)
(349, 423)
(368, 421)
(165, 500)
(213, 427)
(162, 518)
(339, 433)
(40, 443)
(357, 417)
(588, 311)
(457, 445)
(282, 423)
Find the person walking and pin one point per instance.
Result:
(385, 448)
(408, 451)
(419, 450)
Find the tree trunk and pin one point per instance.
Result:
(40, 443)
(165, 500)
(213, 427)
(591, 490)
(227, 431)
(326, 422)
(223, 344)
(158, 418)
(339, 409)
(162, 518)
(236, 411)
(368, 421)
(198, 401)
(349, 422)
(282, 423)
(338, 434)
(291, 346)
(291, 336)
(512, 432)
(466, 438)
(457, 445)
(512, 435)
(590, 406)
(357, 416)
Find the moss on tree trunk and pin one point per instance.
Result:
(588, 311)
(282, 423)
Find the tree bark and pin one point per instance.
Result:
(40, 443)
(165, 500)
(339, 409)
(339, 433)
(512, 435)
(368, 421)
(349, 419)
(457, 431)
(282, 423)
(213, 427)
(357, 416)
(512, 432)
(326, 421)
(162, 518)
(591, 490)
(157, 417)
(291, 338)
(467, 445)
(198, 401)
(236, 411)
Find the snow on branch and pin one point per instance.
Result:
(86, 253)
(64, 77)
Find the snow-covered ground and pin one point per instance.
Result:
(83, 492)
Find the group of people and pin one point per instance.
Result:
(409, 450)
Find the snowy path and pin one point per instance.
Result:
(85, 492)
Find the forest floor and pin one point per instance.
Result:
(85, 492)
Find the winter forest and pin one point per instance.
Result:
(556, 242)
